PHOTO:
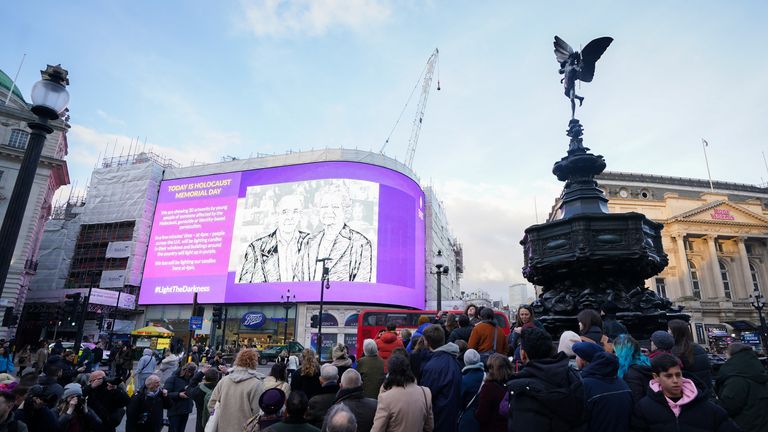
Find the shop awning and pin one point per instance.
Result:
(742, 325)
(152, 331)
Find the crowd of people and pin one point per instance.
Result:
(457, 372)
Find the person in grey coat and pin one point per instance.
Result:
(146, 367)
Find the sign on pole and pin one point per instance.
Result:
(196, 323)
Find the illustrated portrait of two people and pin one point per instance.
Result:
(289, 254)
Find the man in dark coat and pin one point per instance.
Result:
(51, 387)
(676, 404)
(547, 395)
(200, 394)
(442, 375)
(145, 410)
(106, 399)
(177, 387)
(319, 404)
(604, 391)
(464, 330)
(351, 395)
(742, 388)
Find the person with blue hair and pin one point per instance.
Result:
(634, 366)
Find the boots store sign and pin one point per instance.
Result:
(253, 320)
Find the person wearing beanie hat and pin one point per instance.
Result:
(74, 413)
(271, 403)
(35, 413)
(340, 358)
(661, 342)
(608, 398)
(472, 376)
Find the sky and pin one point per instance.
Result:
(200, 80)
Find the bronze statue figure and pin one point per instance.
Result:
(580, 66)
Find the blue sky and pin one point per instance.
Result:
(200, 80)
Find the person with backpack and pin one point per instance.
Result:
(609, 399)
(201, 394)
(146, 367)
(676, 404)
(742, 388)
(471, 380)
(487, 338)
(547, 395)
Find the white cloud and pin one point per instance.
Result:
(109, 119)
(282, 18)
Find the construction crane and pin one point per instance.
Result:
(426, 85)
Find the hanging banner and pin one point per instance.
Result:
(119, 249)
(112, 279)
(126, 301)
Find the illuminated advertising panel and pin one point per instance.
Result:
(250, 236)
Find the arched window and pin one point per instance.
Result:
(694, 280)
(726, 281)
(18, 139)
(755, 278)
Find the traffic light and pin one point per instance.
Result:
(313, 321)
(72, 308)
(217, 312)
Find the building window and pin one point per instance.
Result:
(688, 245)
(749, 249)
(719, 247)
(755, 279)
(661, 287)
(694, 280)
(19, 139)
(726, 282)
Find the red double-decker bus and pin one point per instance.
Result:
(371, 321)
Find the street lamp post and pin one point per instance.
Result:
(758, 303)
(288, 302)
(324, 285)
(49, 99)
(441, 264)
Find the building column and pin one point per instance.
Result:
(746, 274)
(682, 264)
(714, 266)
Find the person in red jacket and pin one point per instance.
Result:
(387, 341)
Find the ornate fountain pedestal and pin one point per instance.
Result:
(588, 258)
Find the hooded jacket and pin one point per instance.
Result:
(146, 367)
(608, 397)
(239, 394)
(442, 375)
(546, 396)
(472, 378)
(742, 386)
(386, 343)
(693, 412)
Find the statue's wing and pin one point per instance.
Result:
(590, 55)
(562, 50)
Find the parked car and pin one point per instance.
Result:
(270, 354)
(70, 345)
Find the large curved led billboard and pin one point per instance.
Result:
(250, 236)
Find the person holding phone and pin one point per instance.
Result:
(74, 414)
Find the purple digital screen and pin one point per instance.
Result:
(248, 237)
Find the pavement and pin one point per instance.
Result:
(191, 422)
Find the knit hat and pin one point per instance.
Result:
(587, 350)
(663, 340)
(338, 352)
(72, 389)
(272, 401)
(471, 357)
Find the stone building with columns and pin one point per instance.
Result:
(716, 238)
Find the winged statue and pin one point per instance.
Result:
(575, 65)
